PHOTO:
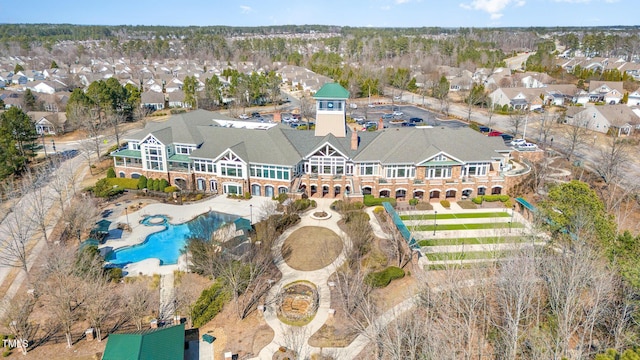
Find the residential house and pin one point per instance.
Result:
(612, 119)
(634, 98)
(176, 99)
(152, 100)
(609, 92)
(198, 151)
(47, 124)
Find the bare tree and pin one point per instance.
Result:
(546, 124)
(575, 133)
(515, 289)
(569, 280)
(38, 200)
(17, 313)
(64, 297)
(294, 338)
(80, 215)
(517, 119)
(139, 299)
(17, 231)
(612, 160)
(307, 108)
(102, 301)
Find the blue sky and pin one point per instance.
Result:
(359, 13)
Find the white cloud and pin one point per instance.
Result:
(493, 7)
(402, 1)
(385, 8)
(245, 9)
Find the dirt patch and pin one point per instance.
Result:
(243, 337)
(311, 248)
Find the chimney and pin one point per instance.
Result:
(380, 124)
(354, 140)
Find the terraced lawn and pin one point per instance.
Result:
(472, 241)
(481, 215)
(481, 226)
(469, 255)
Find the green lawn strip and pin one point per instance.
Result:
(456, 216)
(465, 226)
(471, 241)
(467, 255)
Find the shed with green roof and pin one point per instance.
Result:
(165, 343)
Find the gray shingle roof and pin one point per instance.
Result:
(282, 145)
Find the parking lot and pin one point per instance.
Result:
(365, 114)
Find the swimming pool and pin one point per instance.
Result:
(166, 244)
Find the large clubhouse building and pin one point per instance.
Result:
(205, 151)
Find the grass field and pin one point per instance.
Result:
(472, 241)
(480, 226)
(481, 215)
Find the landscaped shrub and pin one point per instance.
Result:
(492, 198)
(508, 204)
(163, 184)
(170, 189)
(115, 274)
(378, 210)
(343, 206)
(466, 204)
(282, 197)
(286, 221)
(302, 205)
(353, 216)
(209, 304)
(382, 278)
(247, 195)
(156, 184)
(369, 200)
(445, 204)
(424, 206)
(142, 182)
(6, 353)
(111, 173)
(199, 197)
(177, 111)
(414, 201)
(477, 200)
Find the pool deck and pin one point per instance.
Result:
(177, 214)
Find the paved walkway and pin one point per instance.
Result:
(318, 277)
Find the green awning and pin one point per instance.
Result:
(180, 158)
(128, 153)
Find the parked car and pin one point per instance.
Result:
(255, 114)
(484, 129)
(506, 137)
(243, 116)
(397, 113)
(360, 120)
(518, 142)
(370, 124)
(408, 124)
(296, 116)
(495, 133)
(353, 106)
(371, 105)
(387, 116)
(527, 146)
(415, 120)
